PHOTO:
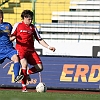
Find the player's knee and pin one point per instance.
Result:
(24, 63)
(15, 59)
(41, 69)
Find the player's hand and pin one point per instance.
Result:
(52, 48)
(9, 34)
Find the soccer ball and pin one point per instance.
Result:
(41, 87)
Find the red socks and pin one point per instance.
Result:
(24, 72)
(32, 70)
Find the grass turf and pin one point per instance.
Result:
(18, 95)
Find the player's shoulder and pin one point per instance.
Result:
(6, 23)
(17, 24)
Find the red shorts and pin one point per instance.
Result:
(31, 56)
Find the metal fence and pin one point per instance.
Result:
(63, 16)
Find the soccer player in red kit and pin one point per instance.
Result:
(25, 33)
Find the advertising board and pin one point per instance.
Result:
(59, 72)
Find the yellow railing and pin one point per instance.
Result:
(2, 2)
(13, 8)
(42, 8)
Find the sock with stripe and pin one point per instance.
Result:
(24, 72)
(32, 70)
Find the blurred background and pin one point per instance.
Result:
(72, 26)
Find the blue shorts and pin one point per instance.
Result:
(6, 52)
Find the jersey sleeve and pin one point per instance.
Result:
(14, 30)
(37, 35)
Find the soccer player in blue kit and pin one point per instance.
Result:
(6, 47)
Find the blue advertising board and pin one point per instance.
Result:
(59, 72)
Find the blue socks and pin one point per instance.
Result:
(16, 68)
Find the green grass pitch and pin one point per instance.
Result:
(18, 95)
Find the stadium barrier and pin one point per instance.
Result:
(68, 28)
(60, 73)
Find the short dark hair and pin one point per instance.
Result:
(1, 12)
(27, 13)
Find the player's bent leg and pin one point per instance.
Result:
(28, 78)
(37, 68)
(30, 81)
(35, 60)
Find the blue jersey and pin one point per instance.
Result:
(5, 29)
(6, 46)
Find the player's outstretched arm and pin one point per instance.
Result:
(43, 43)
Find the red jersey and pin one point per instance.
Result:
(25, 35)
